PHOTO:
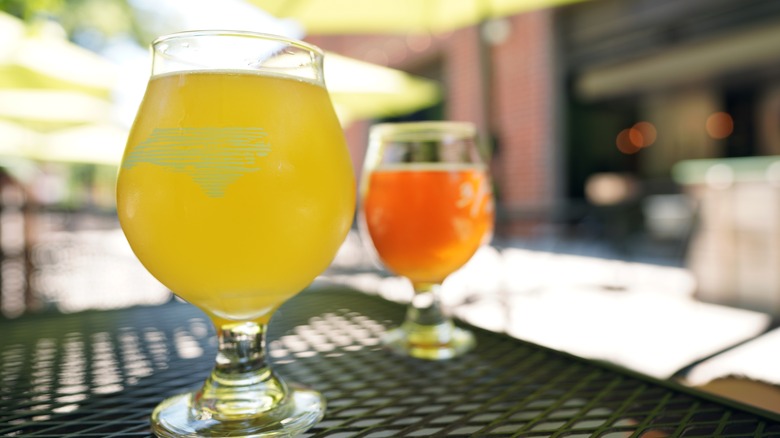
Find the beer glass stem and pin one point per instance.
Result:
(427, 331)
(425, 308)
(241, 384)
(242, 396)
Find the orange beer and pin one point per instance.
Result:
(426, 220)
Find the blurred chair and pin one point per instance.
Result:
(614, 214)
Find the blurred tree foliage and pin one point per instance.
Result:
(89, 23)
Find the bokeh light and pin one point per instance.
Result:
(719, 125)
(625, 143)
(641, 135)
(645, 133)
(610, 188)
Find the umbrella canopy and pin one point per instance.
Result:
(44, 108)
(363, 90)
(358, 89)
(396, 16)
(91, 144)
(54, 99)
(55, 96)
(47, 82)
(42, 58)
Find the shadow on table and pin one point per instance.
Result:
(328, 338)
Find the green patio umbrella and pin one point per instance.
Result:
(40, 57)
(55, 100)
(342, 17)
(396, 16)
(364, 90)
(48, 109)
(98, 143)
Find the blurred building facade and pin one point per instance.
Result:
(560, 85)
(588, 109)
(591, 107)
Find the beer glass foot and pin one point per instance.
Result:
(301, 409)
(402, 341)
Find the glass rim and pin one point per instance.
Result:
(237, 33)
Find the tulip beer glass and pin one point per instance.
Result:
(426, 206)
(235, 191)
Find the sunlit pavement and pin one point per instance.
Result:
(639, 315)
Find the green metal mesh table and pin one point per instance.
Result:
(99, 374)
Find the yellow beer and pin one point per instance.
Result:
(230, 197)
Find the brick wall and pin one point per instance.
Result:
(521, 90)
(462, 80)
(524, 98)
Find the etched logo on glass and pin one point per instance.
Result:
(213, 157)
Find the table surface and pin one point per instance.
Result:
(99, 374)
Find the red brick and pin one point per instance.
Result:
(522, 98)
